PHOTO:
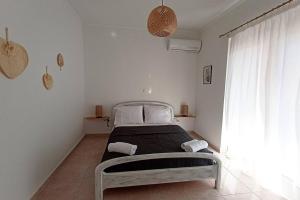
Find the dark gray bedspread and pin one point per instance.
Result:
(153, 139)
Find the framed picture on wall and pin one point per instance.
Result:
(207, 74)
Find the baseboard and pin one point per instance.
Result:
(59, 163)
(210, 144)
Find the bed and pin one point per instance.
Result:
(158, 159)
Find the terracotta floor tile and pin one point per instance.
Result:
(74, 180)
(267, 195)
(153, 192)
(231, 185)
(86, 190)
(59, 190)
(250, 183)
(210, 198)
(242, 197)
(201, 189)
(69, 172)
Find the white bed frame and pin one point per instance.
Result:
(104, 180)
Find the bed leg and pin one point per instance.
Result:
(219, 175)
(217, 184)
(98, 186)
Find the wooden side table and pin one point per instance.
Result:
(105, 118)
(96, 125)
(186, 122)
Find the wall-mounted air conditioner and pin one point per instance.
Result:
(192, 46)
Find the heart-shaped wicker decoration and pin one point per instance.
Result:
(60, 61)
(13, 59)
(48, 81)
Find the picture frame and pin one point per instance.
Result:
(207, 74)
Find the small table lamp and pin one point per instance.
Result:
(98, 111)
(184, 110)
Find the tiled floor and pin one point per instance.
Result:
(74, 180)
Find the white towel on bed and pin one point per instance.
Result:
(122, 147)
(194, 145)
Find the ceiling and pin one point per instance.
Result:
(191, 14)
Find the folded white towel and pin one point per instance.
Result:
(121, 147)
(183, 145)
(194, 145)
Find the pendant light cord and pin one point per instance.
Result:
(162, 10)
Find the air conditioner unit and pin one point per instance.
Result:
(192, 46)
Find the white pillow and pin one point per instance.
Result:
(129, 115)
(157, 114)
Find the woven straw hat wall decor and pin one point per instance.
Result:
(13, 58)
(162, 21)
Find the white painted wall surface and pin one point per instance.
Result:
(210, 97)
(122, 62)
(39, 127)
(187, 123)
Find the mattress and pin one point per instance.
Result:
(153, 139)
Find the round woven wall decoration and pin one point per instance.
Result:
(162, 21)
(13, 59)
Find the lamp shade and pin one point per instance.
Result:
(98, 111)
(184, 110)
(162, 21)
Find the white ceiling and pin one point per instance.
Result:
(191, 14)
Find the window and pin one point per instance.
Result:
(261, 118)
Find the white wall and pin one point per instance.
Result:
(39, 127)
(122, 62)
(210, 97)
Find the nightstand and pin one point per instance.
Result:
(96, 125)
(186, 122)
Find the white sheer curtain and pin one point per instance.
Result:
(261, 120)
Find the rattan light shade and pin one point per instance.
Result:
(162, 21)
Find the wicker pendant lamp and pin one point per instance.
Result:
(162, 21)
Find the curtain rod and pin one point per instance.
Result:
(257, 18)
